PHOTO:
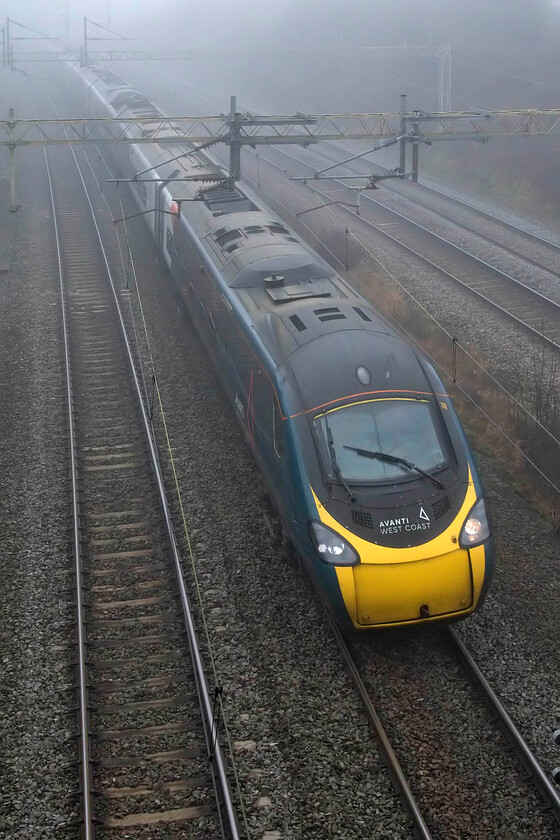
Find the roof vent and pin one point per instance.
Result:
(361, 313)
(298, 323)
(226, 236)
(273, 281)
(276, 227)
(330, 313)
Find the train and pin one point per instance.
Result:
(352, 431)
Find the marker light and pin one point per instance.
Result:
(476, 529)
(331, 548)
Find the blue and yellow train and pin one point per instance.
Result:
(358, 443)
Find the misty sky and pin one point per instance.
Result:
(392, 18)
(504, 52)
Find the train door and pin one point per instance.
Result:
(265, 431)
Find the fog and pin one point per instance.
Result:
(503, 53)
(334, 56)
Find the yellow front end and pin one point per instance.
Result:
(427, 582)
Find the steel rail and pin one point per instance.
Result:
(546, 788)
(85, 766)
(393, 187)
(496, 271)
(539, 240)
(466, 285)
(224, 798)
(483, 236)
(548, 791)
(441, 239)
(396, 773)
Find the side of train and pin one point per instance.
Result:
(359, 445)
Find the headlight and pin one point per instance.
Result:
(476, 529)
(331, 548)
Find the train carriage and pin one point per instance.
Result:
(358, 443)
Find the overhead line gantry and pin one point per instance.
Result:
(238, 129)
(252, 130)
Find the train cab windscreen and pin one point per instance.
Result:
(381, 441)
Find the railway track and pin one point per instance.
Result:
(420, 822)
(414, 740)
(150, 756)
(535, 312)
(534, 250)
(310, 751)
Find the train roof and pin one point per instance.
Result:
(335, 345)
(308, 326)
(316, 323)
(353, 363)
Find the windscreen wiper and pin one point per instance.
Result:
(392, 459)
(334, 462)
